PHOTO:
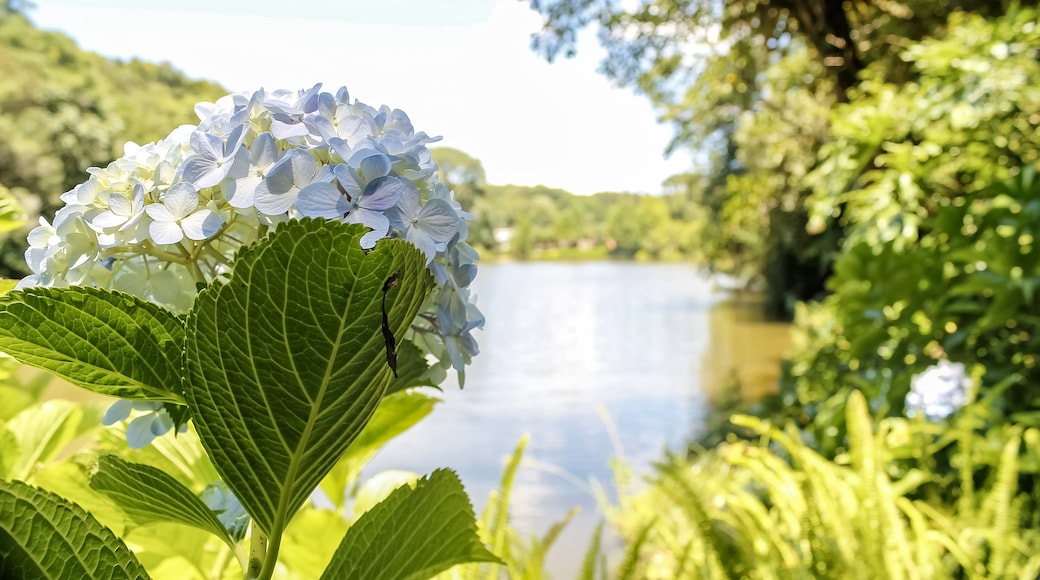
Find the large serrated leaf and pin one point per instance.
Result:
(107, 342)
(288, 359)
(413, 534)
(149, 495)
(44, 536)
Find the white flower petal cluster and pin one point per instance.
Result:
(170, 215)
(939, 391)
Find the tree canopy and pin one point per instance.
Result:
(63, 109)
(748, 85)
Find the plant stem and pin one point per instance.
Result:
(256, 562)
(271, 561)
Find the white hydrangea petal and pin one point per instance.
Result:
(240, 193)
(159, 212)
(353, 130)
(202, 224)
(120, 204)
(41, 234)
(287, 129)
(108, 219)
(273, 203)
(181, 200)
(163, 232)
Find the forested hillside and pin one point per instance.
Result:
(63, 110)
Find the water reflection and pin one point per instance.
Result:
(561, 340)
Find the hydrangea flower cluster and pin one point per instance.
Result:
(170, 215)
(939, 391)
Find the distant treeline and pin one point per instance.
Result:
(547, 223)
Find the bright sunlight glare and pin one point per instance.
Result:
(462, 69)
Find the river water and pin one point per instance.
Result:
(571, 355)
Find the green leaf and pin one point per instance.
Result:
(287, 360)
(396, 414)
(148, 495)
(299, 552)
(413, 534)
(12, 214)
(45, 536)
(108, 342)
(7, 285)
(411, 369)
(44, 430)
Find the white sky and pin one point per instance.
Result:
(462, 69)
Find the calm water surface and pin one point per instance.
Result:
(561, 341)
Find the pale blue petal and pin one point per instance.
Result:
(264, 151)
(438, 219)
(271, 203)
(348, 179)
(202, 172)
(322, 200)
(341, 147)
(234, 141)
(423, 241)
(372, 163)
(354, 129)
(368, 241)
(303, 167)
(280, 178)
(207, 145)
(161, 423)
(373, 219)
(117, 412)
(383, 193)
(326, 106)
(139, 432)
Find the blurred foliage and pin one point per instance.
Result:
(63, 110)
(775, 508)
(942, 217)
(907, 200)
(747, 86)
